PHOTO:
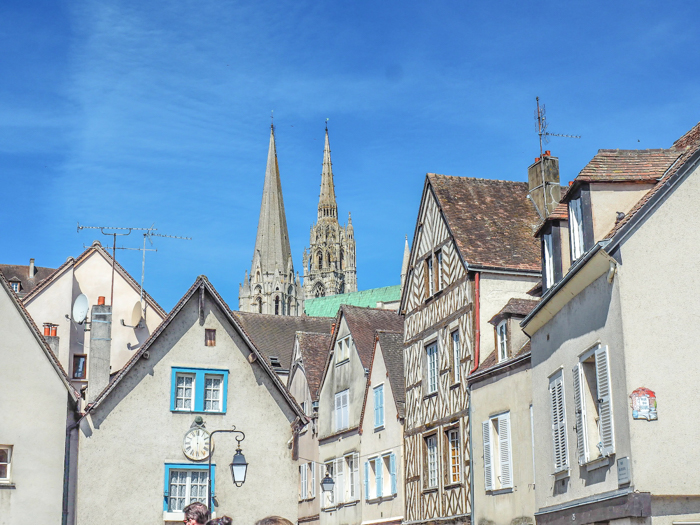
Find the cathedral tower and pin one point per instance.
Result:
(271, 287)
(329, 262)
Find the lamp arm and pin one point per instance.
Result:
(211, 452)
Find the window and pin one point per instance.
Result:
(429, 277)
(185, 484)
(259, 303)
(198, 390)
(15, 286)
(312, 468)
(431, 480)
(5, 463)
(576, 228)
(339, 478)
(79, 370)
(502, 340)
(380, 476)
(277, 305)
(303, 486)
(498, 461)
(432, 367)
(352, 468)
(594, 427)
(379, 406)
(556, 396)
(454, 339)
(438, 273)
(548, 260)
(320, 260)
(341, 410)
(342, 349)
(209, 337)
(455, 473)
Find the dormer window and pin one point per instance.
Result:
(342, 350)
(15, 286)
(275, 362)
(576, 228)
(548, 273)
(502, 340)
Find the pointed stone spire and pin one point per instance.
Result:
(272, 241)
(327, 207)
(404, 264)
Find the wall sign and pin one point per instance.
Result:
(623, 471)
(644, 404)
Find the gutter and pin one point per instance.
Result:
(498, 368)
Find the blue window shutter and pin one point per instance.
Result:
(376, 408)
(378, 467)
(392, 462)
(173, 383)
(366, 479)
(381, 405)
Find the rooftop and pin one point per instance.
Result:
(329, 306)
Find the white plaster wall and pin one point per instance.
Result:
(495, 291)
(129, 438)
(507, 392)
(592, 317)
(33, 404)
(608, 199)
(388, 438)
(660, 296)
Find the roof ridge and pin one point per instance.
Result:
(477, 179)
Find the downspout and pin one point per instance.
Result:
(477, 324)
(66, 470)
(471, 469)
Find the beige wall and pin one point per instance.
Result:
(129, 438)
(608, 199)
(379, 441)
(506, 392)
(660, 297)
(34, 408)
(92, 277)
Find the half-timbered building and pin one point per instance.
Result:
(472, 251)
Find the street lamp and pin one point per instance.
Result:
(327, 483)
(239, 466)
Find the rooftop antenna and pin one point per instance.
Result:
(541, 126)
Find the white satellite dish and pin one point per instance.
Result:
(136, 315)
(80, 308)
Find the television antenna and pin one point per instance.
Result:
(541, 126)
(115, 231)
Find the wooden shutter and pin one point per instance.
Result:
(580, 405)
(488, 463)
(392, 470)
(378, 468)
(605, 422)
(504, 448)
(556, 390)
(367, 480)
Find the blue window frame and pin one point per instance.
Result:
(379, 406)
(198, 390)
(181, 487)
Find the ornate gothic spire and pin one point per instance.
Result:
(272, 242)
(327, 206)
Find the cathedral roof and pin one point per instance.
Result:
(329, 305)
(492, 221)
(272, 241)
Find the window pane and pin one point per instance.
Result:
(4, 455)
(212, 394)
(183, 392)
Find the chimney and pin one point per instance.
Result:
(32, 270)
(543, 182)
(100, 350)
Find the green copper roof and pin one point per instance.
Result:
(328, 306)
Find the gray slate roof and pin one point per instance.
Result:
(391, 344)
(18, 272)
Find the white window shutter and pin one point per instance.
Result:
(339, 481)
(356, 476)
(312, 466)
(580, 406)
(605, 421)
(338, 416)
(345, 410)
(561, 456)
(506, 458)
(488, 463)
(392, 463)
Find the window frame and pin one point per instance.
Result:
(498, 452)
(303, 482)
(456, 355)
(576, 230)
(338, 425)
(378, 406)
(432, 371)
(210, 337)
(199, 467)
(8, 477)
(343, 350)
(198, 389)
(502, 340)
(82, 357)
(560, 446)
(548, 259)
(454, 460)
(432, 461)
(15, 285)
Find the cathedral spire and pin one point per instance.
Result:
(327, 206)
(272, 242)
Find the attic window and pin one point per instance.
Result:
(502, 340)
(15, 286)
(275, 362)
(209, 337)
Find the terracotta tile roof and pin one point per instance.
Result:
(619, 165)
(492, 221)
(364, 322)
(519, 307)
(17, 272)
(314, 349)
(391, 344)
(274, 334)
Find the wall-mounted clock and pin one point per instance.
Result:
(196, 445)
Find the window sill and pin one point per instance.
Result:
(306, 500)
(597, 463)
(380, 499)
(341, 363)
(174, 411)
(179, 516)
(428, 396)
(453, 486)
(7, 485)
(498, 492)
(341, 505)
(455, 385)
(429, 490)
(379, 429)
(562, 474)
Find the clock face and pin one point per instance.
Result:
(196, 444)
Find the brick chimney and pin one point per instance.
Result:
(543, 182)
(100, 350)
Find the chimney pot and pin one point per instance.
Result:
(54, 330)
(537, 159)
(332, 328)
(547, 153)
(571, 182)
(47, 329)
(101, 300)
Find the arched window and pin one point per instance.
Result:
(289, 306)
(277, 305)
(259, 302)
(342, 260)
(320, 260)
(319, 291)
(329, 260)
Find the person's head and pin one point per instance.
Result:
(196, 513)
(223, 520)
(274, 520)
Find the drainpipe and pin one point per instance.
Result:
(471, 469)
(66, 471)
(477, 323)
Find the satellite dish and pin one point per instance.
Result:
(80, 308)
(136, 315)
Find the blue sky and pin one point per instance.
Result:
(130, 113)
